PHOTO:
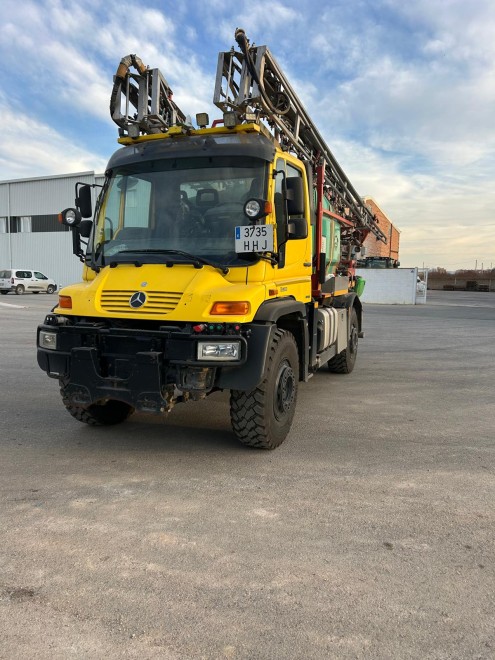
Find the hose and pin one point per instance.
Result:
(243, 43)
(124, 66)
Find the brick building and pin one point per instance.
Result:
(376, 248)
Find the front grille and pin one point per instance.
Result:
(157, 302)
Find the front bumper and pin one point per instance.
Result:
(148, 369)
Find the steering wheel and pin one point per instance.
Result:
(190, 221)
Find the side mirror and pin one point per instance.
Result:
(83, 200)
(85, 228)
(295, 195)
(297, 228)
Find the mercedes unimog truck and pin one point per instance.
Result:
(216, 257)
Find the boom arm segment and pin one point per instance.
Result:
(249, 83)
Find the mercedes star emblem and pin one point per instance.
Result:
(137, 299)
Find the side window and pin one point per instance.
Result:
(40, 276)
(293, 171)
(126, 205)
(23, 274)
(278, 201)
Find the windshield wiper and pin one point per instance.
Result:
(191, 258)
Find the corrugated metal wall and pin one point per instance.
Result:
(40, 196)
(49, 252)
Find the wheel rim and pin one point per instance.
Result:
(284, 389)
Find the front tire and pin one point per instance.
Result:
(50, 289)
(262, 417)
(106, 414)
(344, 362)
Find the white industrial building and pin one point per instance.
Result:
(30, 235)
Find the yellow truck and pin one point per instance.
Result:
(217, 257)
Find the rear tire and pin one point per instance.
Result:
(19, 290)
(344, 362)
(106, 414)
(262, 417)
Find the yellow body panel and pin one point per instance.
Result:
(179, 293)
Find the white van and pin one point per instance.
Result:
(20, 280)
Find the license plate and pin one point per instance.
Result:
(254, 238)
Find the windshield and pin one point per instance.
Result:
(189, 205)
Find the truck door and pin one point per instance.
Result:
(295, 253)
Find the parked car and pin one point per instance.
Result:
(20, 280)
(420, 286)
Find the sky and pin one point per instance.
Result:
(402, 92)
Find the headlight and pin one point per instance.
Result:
(219, 350)
(70, 217)
(252, 208)
(48, 340)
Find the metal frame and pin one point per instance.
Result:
(243, 83)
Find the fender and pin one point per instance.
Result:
(271, 310)
(348, 301)
(249, 375)
(289, 314)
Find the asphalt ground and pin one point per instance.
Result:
(368, 534)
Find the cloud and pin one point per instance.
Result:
(258, 19)
(42, 151)
(403, 93)
(443, 219)
(75, 51)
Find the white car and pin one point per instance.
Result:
(20, 280)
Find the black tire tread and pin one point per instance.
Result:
(340, 364)
(113, 412)
(247, 408)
